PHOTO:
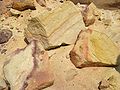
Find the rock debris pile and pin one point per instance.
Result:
(59, 45)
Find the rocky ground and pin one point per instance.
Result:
(59, 45)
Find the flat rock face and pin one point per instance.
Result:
(94, 49)
(53, 28)
(28, 69)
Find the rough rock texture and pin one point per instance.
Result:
(89, 13)
(5, 35)
(93, 48)
(71, 78)
(28, 69)
(23, 4)
(108, 22)
(53, 28)
(6, 5)
(96, 16)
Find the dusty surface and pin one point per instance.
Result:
(55, 71)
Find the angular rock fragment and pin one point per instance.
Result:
(56, 27)
(89, 14)
(28, 69)
(23, 4)
(93, 48)
(5, 35)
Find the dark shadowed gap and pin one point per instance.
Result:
(118, 62)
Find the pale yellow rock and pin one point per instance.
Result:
(94, 49)
(108, 22)
(56, 27)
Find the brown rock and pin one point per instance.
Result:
(6, 5)
(23, 5)
(5, 35)
(93, 48)
(29, 68)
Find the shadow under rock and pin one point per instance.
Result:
(118, 62)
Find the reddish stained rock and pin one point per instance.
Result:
(93, 48)
(28, 69)
(42, 76)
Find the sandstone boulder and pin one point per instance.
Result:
(72, 78)
(57, 27)
(28, 69)
(93, 48)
